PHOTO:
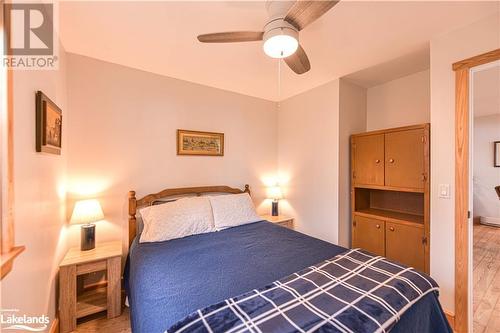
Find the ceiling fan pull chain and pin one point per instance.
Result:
(279, 83)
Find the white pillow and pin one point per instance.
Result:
(177, 219)
(233, 210)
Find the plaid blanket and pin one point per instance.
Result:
(352, 292)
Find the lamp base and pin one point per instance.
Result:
(87, 237)
(275, 208)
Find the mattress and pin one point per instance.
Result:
(167, 281)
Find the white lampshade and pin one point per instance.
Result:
(281, 43)
(86, 211)
(275, 193)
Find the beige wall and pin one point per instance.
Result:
(123, 137)
(39, 197)
(477, 38)
(308, 160)
(401, 102)
(486, 176)
(143, 110)
(352, 119)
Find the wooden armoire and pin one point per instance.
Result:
(390, 194)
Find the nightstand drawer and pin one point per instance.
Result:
(91, 267)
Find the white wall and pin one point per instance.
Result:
(39, 207)
(308, 160)
(123, 137)
(486, 176)
(401, 102)
(477, 38)
(352, 119)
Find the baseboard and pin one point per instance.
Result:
(54, 328)
(489, 220)
(451, 319)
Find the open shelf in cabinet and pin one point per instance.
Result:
(395, 206)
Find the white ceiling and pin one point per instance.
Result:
(160, 37)
(486, 91)
(392, 69)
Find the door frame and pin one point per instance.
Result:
(462, 169)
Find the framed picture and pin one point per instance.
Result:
(200, 143)
(497, 154)
(48, 125)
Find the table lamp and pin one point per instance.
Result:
(275, 194)
(84, 213)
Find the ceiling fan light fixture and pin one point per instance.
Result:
(281, 42)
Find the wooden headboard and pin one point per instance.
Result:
(134, 203)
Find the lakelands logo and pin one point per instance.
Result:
(10, 319)
(30, 40)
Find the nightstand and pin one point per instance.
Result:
(73, 303)
(284, 221)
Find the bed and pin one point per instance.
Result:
(167, 281)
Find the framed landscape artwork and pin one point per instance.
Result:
(497, 154)
(48, 125)
(200, 143)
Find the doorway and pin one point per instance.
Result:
(466, 72)
(484, 199)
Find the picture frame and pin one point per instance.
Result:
(200, 143)
(48, 125)
(496, 155)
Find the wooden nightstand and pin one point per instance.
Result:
(105, 257)
(284, 221)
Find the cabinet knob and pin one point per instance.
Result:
(378, 226)
(377, 161)
(391, 228)
(391, 160)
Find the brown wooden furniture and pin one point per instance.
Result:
(390, 194)
(134, 203)
(73, 304)
(280, 220)
(462, 116)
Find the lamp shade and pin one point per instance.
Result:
(275, 193)
(87, 211)
(280, 45)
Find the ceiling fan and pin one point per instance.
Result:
(281, 32)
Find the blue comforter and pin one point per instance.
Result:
(166, 281)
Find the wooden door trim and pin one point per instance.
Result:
(461, 199)
(477, 60)
(462, 115)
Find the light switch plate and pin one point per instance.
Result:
(444, 191)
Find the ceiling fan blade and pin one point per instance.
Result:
(231, 37)
(298, 62)
(303, 12)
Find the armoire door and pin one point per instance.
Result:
(368, 234)
(405, 244)
(368, 152)
(404, 159)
